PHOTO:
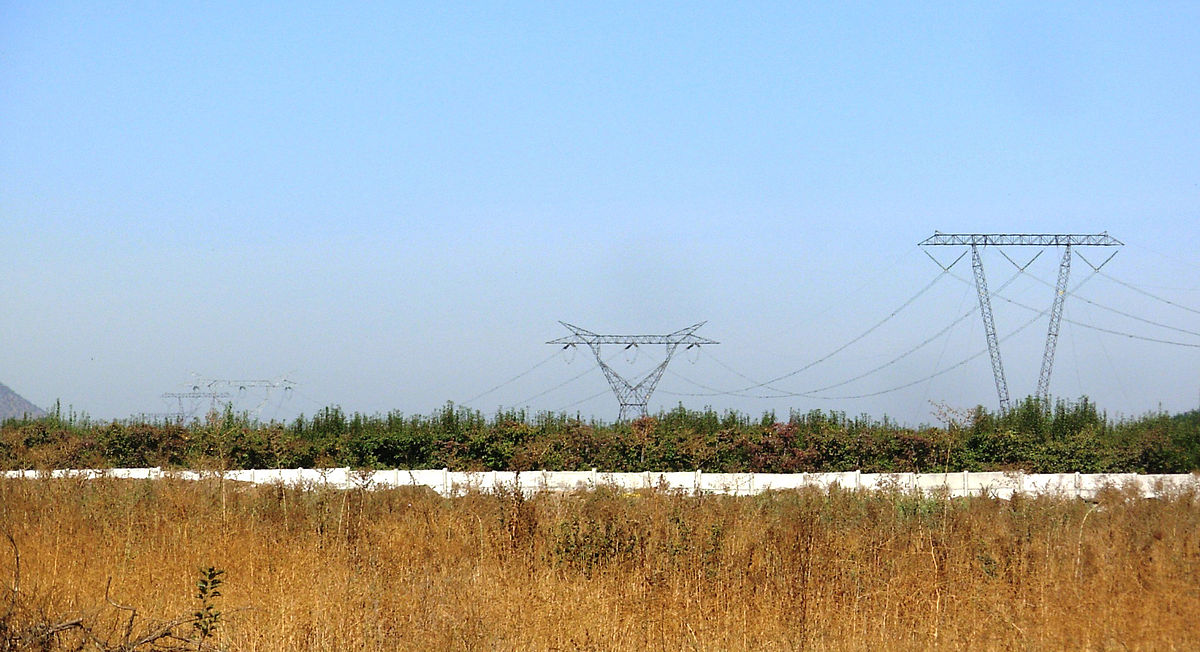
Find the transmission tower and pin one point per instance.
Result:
(978, 240)
(195, 397)
(242, 386)
(633, 396)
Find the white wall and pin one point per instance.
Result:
(448, 483)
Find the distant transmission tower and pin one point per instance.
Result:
(222, 389)
(633, 396)
(194, 397)
(977, 240)
(241, 386)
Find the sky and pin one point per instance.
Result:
(393, 205)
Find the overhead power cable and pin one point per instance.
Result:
(926, 342)
(929, 340)
(741, 391)
(945, 345)
(510, 380)
(947, 370)
(929, 377)
(1092, 326)
(962, 363)
(1118, 311)
(810, 318)
(565, 382)
(854, 341)
(1146, 293)
(1133, 335)
(812, 393)
(562, 384)
(597, 395)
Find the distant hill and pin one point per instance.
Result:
(13, 405)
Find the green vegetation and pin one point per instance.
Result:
(1070, 436)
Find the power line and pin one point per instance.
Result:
(808, 318)
(565, 382)
(945, 346)
(812, 393)
(1134, 336)
(582, 400)
(562, 384)
(841, 348)
(815, 393)
(1118, 311)
(811, 317)
(963, 363)
(1092, 326)
(927, 341)
(1152, 296)
(511, 380)
(1112, 367)
(947, 370)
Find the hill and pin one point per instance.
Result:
(13, 405)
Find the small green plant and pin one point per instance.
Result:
(208, 587)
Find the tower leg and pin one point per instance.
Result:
(1060, 297)
(989, 327)
(633, 399)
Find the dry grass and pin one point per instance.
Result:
(404, 569)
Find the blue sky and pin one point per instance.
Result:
(393, 205)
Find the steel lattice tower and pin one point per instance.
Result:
(241, 386)
(977, 240)
(633, 396)
(194, 396)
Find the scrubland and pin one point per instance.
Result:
(111, 562)
(1034, 437)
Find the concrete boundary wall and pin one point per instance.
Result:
(450, 483)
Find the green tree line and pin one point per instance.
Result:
(1068, 436)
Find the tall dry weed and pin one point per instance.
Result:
(316, 568)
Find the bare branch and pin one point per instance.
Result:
(132, 611)
(165, 630)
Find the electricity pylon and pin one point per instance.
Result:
(1064, 240)
(195, 397)
(633, 396)
(241, 386)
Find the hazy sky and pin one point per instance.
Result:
(393, 206)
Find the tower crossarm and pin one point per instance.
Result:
(1021, 240)
(197, 395)
(684, 336)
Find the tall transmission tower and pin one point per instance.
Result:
(633, 396)
(978, 240)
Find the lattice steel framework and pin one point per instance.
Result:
(1064, 240)
(194, 397)
(633, 396)
(989, 327)
(222, 389)
(1022, 239)
(243, 385)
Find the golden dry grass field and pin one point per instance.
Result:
(321, 569)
